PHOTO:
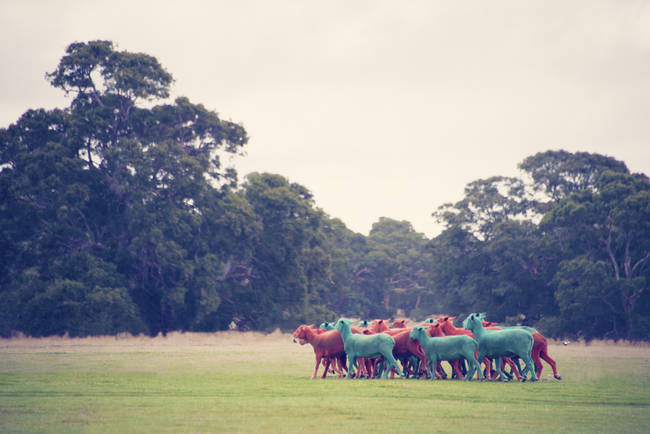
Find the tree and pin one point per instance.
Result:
(404, 264)
(288, 262)
(493, 256)
(124, 181)
(557, 174)
(609, 225)
(489, 237)
(487, 203)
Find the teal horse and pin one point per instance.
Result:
(367, 346)
(496, 344)
(326, 326)
(448, 348)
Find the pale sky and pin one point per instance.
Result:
(380, 108)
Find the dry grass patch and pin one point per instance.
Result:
(224, 340)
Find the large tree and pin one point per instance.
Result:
(606, 232)
(289, 263)
(581, 271)
(124, 179)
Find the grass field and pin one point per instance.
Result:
(249, 382)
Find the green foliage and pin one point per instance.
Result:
(117, 214)
(560, 173)
(125, 185)
(585, 295)
(581, 271)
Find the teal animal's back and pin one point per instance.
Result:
(369, 345)
(508, 343)
(455, 347)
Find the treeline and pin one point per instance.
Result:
(117, 215)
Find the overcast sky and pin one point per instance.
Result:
(380, 108)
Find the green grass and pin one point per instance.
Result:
(216, 386)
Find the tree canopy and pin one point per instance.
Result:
(118, 215)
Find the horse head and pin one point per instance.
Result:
(342, 324)
(326, 326)
(302, 333)
(472, 322)
(435, 330)
(417, 331)
(378, 326)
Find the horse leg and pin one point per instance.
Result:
(391, 362)
(538, 363)
(530, 366)
(407, 366)
(334, 365)
(477, 367)
(456, 368)
(380, 366)
(440, 372)
(324, 362)
(472, 366)
(513, 366)
(412, 364)
(352, 360)
(343, 364)
(361, 367)
(434, 362)
(491, 371)
(488, 369)
(327, 361)
(318, 359)
(374, 368)
(499, 362)
(369, 367)
(551, 362)
(462, 367)
(338, 366)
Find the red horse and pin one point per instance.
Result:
(405, 347)
(399, 324)
(327, 345)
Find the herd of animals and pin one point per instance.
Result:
(372, 349)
